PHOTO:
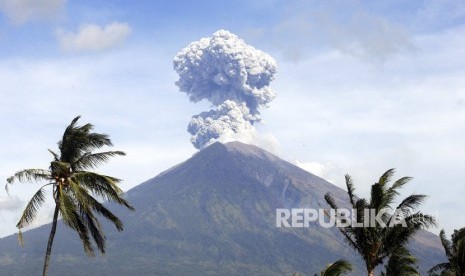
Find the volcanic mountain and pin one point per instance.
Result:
(214, 214)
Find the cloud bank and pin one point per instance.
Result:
(22, 11)
(10, 203)
(230, 74)
(92, 37)
(349, 27)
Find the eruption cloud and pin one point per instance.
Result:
(234, 77)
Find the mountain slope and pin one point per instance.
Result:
(213, 214)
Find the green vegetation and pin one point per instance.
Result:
(455, 252)
(375, 244)
(401, 263)
(73, 187)
(337, 268)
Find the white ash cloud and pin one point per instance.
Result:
(230, 74)
(228, 119)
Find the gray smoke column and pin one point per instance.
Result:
(230, 74)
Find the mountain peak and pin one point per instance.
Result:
(250, 150)
(241, 148)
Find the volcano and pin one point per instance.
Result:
(214, 214)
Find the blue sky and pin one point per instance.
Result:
(362, 86)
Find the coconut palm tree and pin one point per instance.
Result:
(401, 263)
(337, 268)
(455, 252)
(73, 188)
(376, 243)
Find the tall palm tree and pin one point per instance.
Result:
(401, 263)
(337, 268)
(455, 252)
(375, 244)
(73, 188)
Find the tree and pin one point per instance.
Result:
(337, 268)
(375, 244)
(73, 188)
(401, 263)
(455, 252)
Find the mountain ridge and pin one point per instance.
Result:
(209, 215)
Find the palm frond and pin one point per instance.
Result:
(401, 182)
(386, 177)
(56, 157)
(77, 140)
(447, 244)
(68, 209)
(392, 192)
(73, 122)
(360, 207)
(103, 186)
(99, 208)
(376, 197)
(407, 207)
(20, 238)
(98, 140)
(419, 221)
(350, 189)
(401, 263)
(95, 229)
(92, 160)
(439, 268)
(330, 200)
(91, 204)
(458, 239)
(31, 209)
(411, 203)
(30, 175)
(72, 219)
(337, 268)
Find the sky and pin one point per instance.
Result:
(362, 86)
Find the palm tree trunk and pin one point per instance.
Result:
(50, 241)
(371, 272)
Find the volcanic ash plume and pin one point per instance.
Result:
(230, 74)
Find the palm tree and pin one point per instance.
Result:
(73, 188)
(455, 252)
(401, 263)
(337, 268)
(376, 243)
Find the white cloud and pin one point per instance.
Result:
(306, 28)
(22, 11)
(92, 37)
(10, 203)
(263, 140)
(316, 168)
(441, 12)
(328, 171)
